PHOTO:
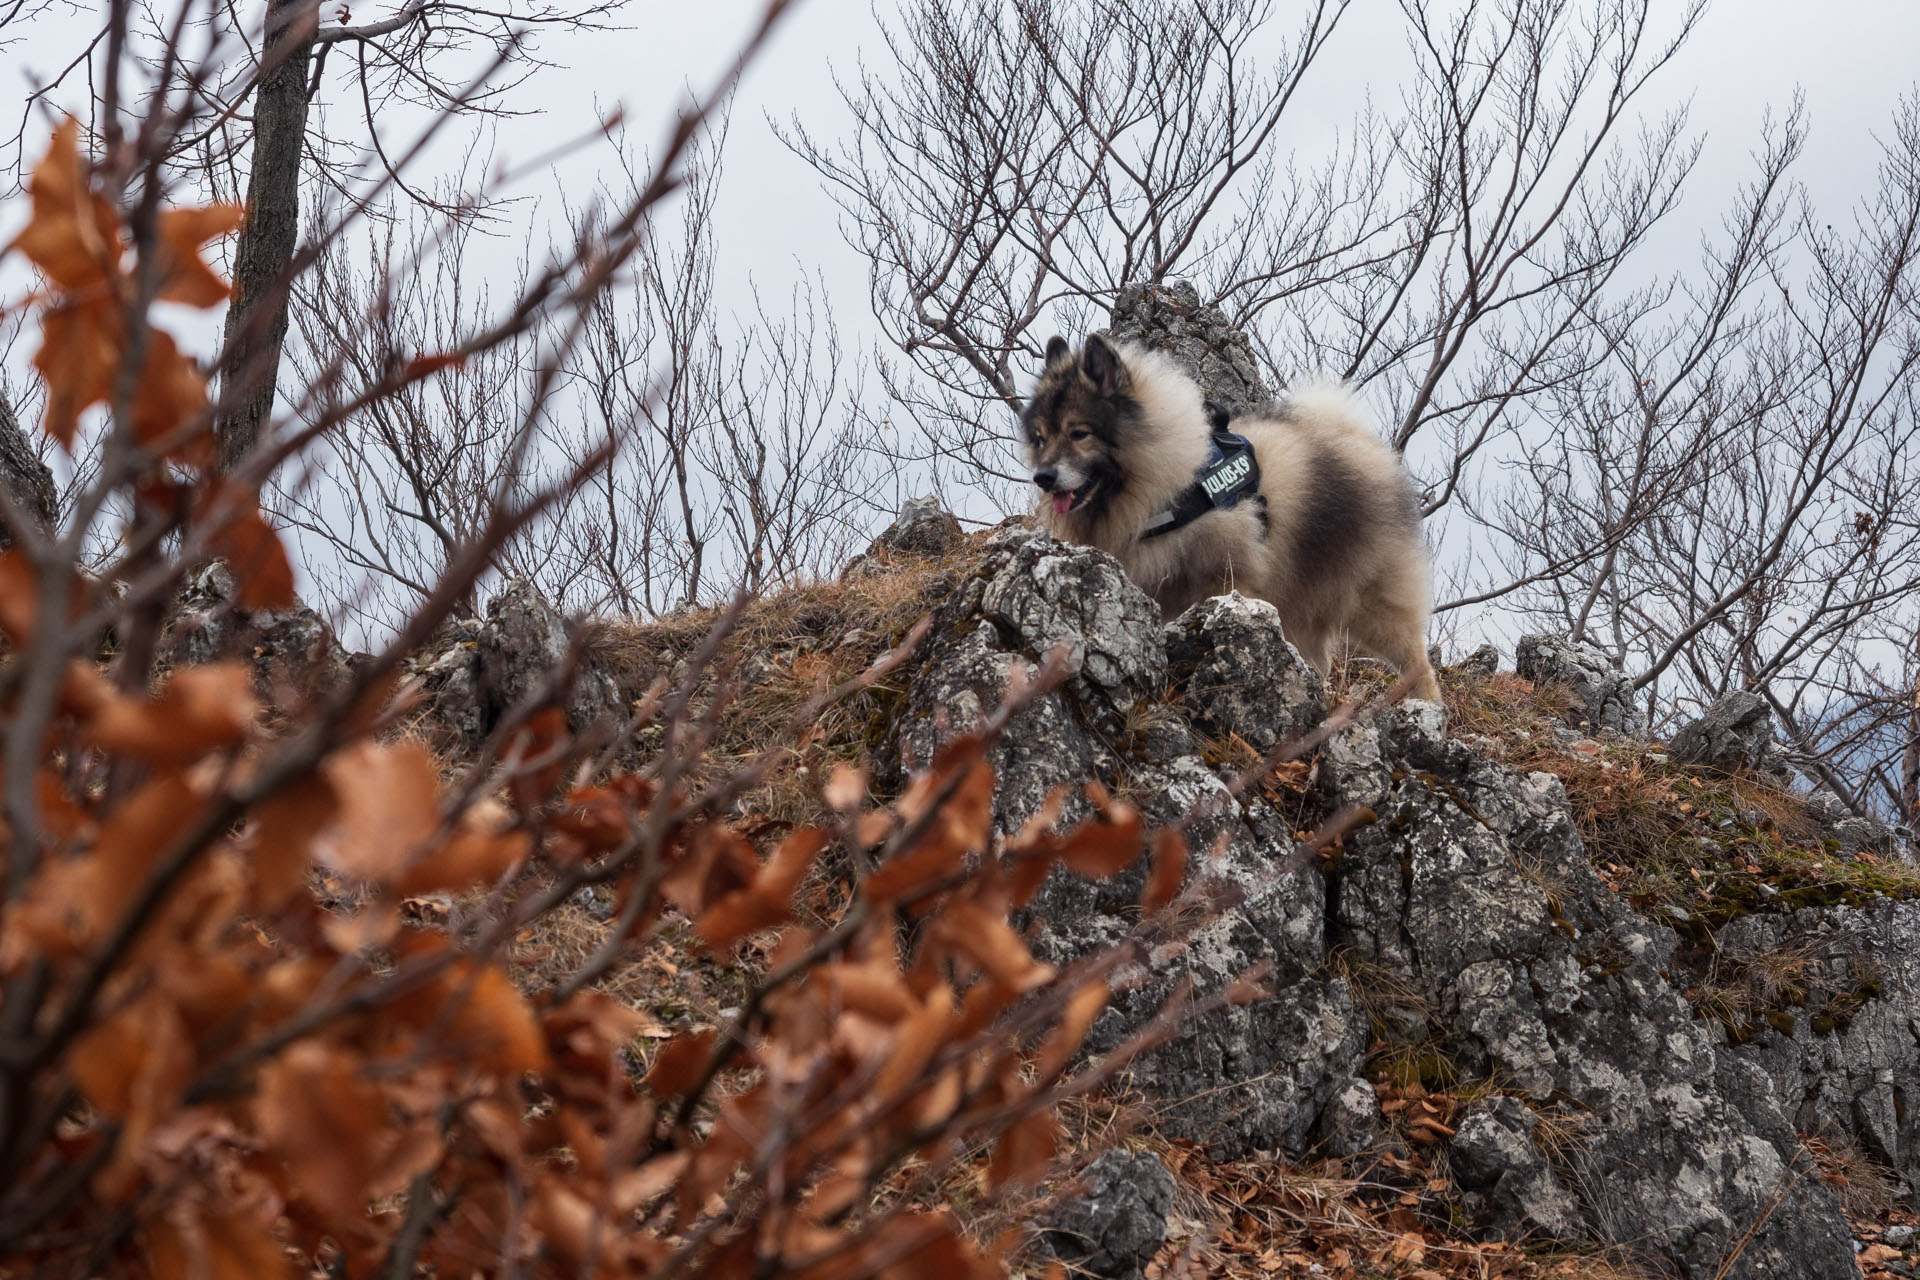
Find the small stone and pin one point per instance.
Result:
(1899, 1237)
(1118, 1222)
(1734, 733)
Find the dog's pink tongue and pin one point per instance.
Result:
(1062, 503)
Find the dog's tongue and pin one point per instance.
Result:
(1062, 503)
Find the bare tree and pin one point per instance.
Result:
(735, 466)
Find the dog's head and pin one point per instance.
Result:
(1075, 424)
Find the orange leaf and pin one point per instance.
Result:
(1105, 848)
(1169, 869)
(992, 945)
(768, 900)
(475, 1015)
(183, 275)
(214, 1241)
(74, 234)
(282, 846)
(254, 553)
(170, 398)
(1024, 1150)
(1082, 1008)
(327, 1124)
(80, 347)
(201, 709)
(537, 751)
(425, 366)
(480, 850)
(389, 808)
(678, 1066)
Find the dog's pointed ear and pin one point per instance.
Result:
(1058, 352)
(1100, 363)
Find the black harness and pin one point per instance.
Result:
(1230, 473)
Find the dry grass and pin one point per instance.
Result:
(784, 649)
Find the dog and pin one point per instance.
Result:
(1302, 506)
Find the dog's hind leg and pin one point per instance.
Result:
(1399, 635)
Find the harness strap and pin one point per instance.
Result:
(1229, 474)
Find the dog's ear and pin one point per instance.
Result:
(1100, 363)
(1058, 352)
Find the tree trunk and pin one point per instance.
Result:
(25, 478)
(257, 320)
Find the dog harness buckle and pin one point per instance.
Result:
(1229, 474)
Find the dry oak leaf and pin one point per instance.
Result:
(208, 1240)
(389, 808)
(678, 1066)
(768, 900)
(333, 1132)
(199, 710)
(253, 551)
(74, 233)
(183, 274)
(281, 841)
(474, 1015)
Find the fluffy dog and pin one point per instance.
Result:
(1119, 437)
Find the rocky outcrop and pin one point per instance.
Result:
(1116, 1221)
(1464, 901)
(1734, 732)
(23, 476)
(1833, 994)
(1170, 319)
(1604, 693)
(295, 655)
(924, 530)
(476, 671)
(1236, 674)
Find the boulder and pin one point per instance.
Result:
(1170, 319)
(1473, 893)
(923, 530)
(294, 653)
(1608, 1111)
(1116, 1221)
(1604, 692)
(1834, 1020)
(477, 671)
(1853, 832)
(1734, 733)
(1236, 674)
(1244, 1077)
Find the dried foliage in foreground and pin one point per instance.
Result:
(206, 1071)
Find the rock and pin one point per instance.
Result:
(294, 653)
(476, 672)
(1472, 893)
(1592, 676)
(1169, 318)
(1509, 1180)
(1898, 1236)
(1236, 673)
(924, 530)
(1243, 1077)
(1837, 1038)
(1734, 733)
(24, 477)
(1117, 1222)
(1482, 662)
(1351, 1123)
(1852, 832)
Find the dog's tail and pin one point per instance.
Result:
(1330, 402)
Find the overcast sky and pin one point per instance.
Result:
(1852, 61)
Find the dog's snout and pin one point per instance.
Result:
(1046, 478)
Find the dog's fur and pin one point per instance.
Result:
(1114, 432)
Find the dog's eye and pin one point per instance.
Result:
(1078, 434)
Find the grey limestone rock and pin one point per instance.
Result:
(1853, 833)
(1473, 891)
(1839, 1036)
(1237, 674)
(1735, 732)
(477, 671)
(923, 530)
(1117, 1222)
(1170, 319)
(293, 651)
(1466, 897)
(1587, 670)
